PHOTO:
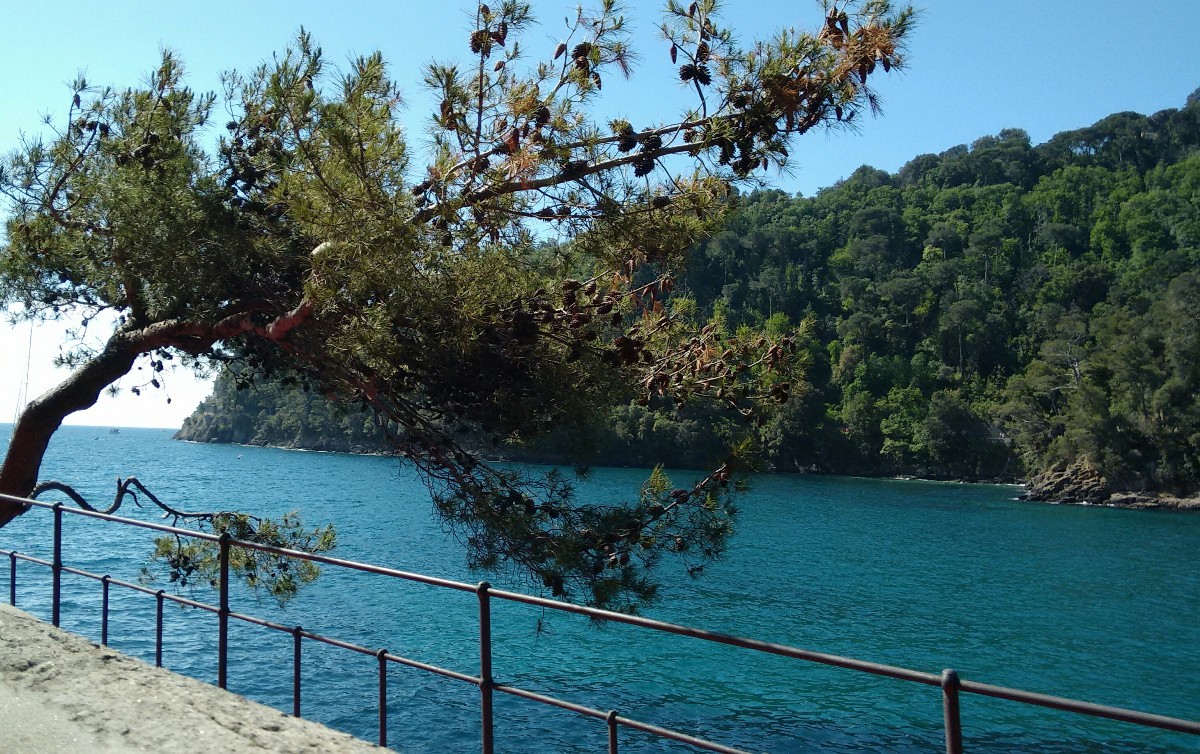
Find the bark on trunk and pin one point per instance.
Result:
(44, 415)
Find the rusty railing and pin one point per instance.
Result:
(948, 681)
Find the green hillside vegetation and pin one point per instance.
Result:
(995, 311)
(280, 413)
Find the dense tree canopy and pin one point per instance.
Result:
(994, 311)
(510, 280)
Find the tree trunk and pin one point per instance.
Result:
(43, 416)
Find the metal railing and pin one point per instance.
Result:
(948, 681)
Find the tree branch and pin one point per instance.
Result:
(123, 489)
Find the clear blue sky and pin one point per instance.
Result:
(974, 68)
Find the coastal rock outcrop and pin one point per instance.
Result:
(1082, 484)
(1078, 483)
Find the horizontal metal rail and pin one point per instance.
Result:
(874, 668)
(474, 680)
(948, 681)
(580, 709)
(1082, 708)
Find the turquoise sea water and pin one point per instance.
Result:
(1090, 603)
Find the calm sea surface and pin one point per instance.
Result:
(1096, 604)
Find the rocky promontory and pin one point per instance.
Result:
(333, 434)
(1078, 483)
(1082, 484)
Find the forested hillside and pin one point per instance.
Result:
(994, 311)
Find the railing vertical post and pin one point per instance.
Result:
(296, 637)
(611, 719)
(104, 610)
(485, 666)
(223, 613)
(56, 566)
(12, 579)
(382, 655)
(950, 713)
(158, 625)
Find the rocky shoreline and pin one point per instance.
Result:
(1077, 484)
(1081, 484)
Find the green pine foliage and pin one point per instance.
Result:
(991, 312)
(412, 276)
